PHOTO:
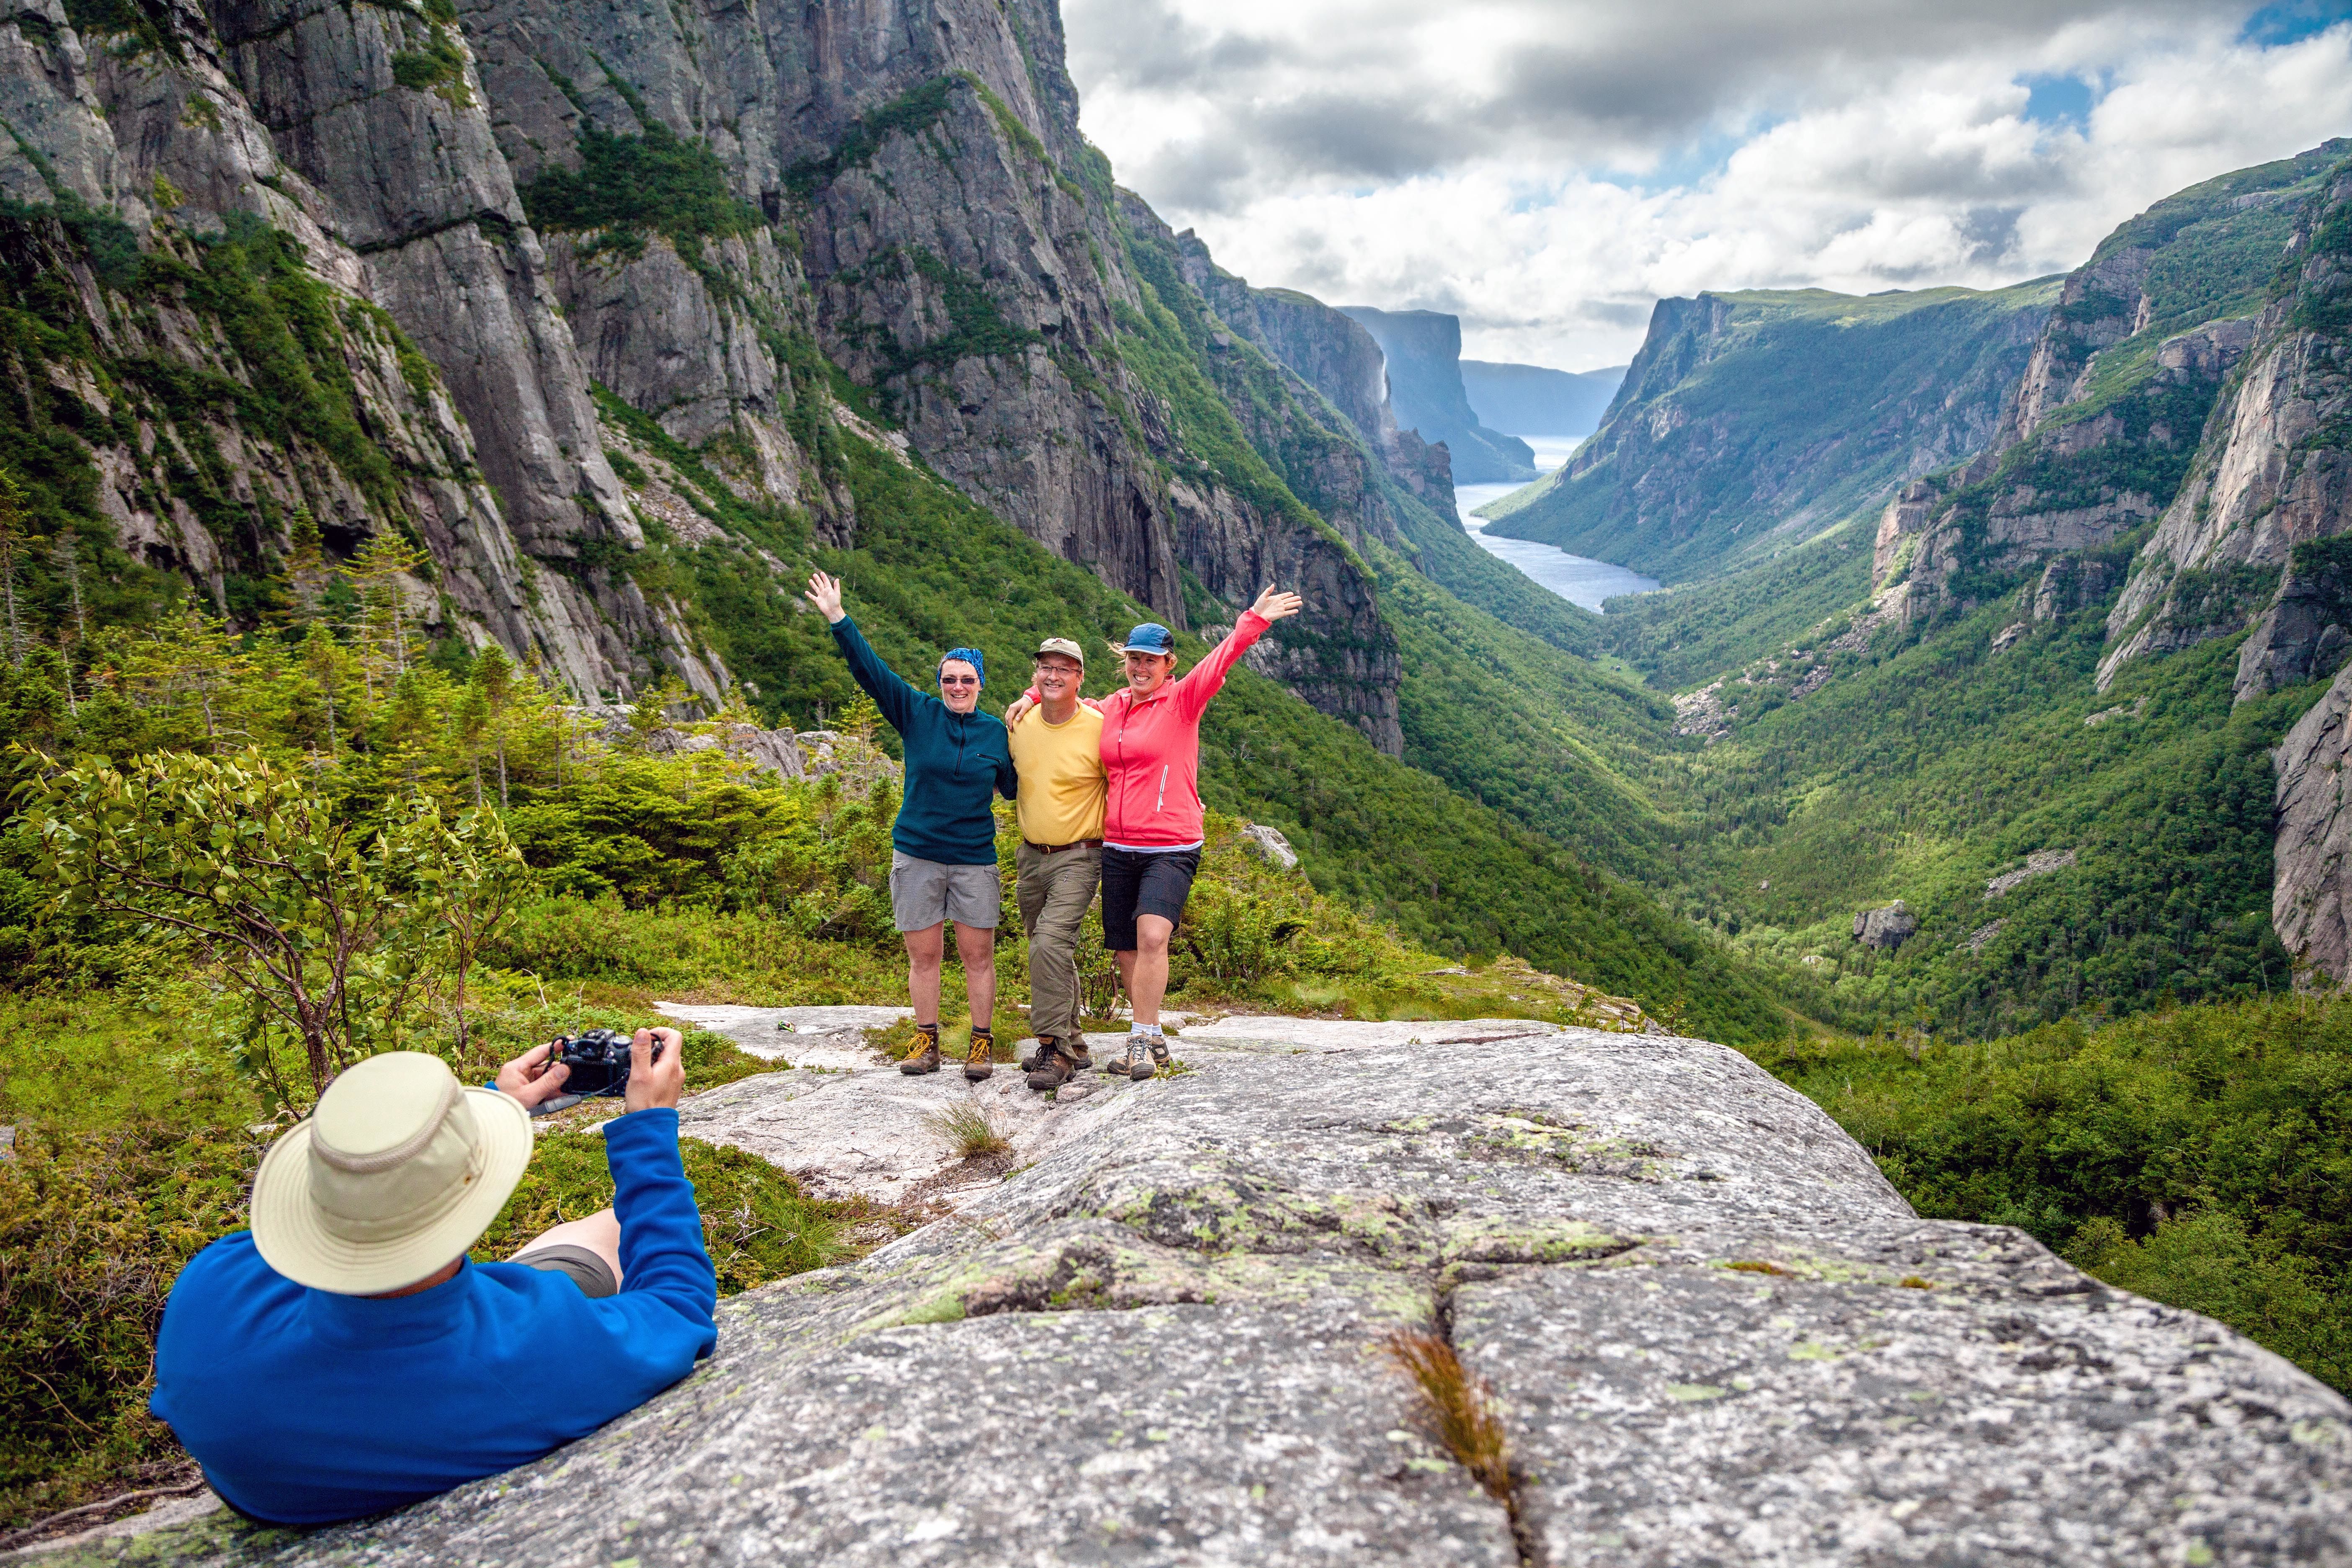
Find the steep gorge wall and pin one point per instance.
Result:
(713, 215)
(2105, 421)
(214, 377)
(2253, 530)
(1749, 420)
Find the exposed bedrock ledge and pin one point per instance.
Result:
(1156, 1344)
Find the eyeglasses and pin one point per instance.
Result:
(959, 680)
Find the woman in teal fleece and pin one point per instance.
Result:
(943, 846)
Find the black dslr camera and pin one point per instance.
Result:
(599, 1060)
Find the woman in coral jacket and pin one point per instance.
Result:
(1152, 829)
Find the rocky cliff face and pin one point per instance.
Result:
(1713, 1330)
(2311, 887)
(1423, 354)
(2252, 531)
(1751, 421)
(703, 217)
(2107, 418)
(221, 309)
(1334, 358)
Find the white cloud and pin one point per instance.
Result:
(1546, 169)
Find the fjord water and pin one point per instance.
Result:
(1578, 579)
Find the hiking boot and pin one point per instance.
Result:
(1158, 1052)
(925, 1054)
(1074, 1050)
(1138, 1063)
(1049, 1069)
(976, 1063)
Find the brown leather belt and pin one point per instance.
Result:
(1057, 848)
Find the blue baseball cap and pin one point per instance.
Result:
(1149, 638)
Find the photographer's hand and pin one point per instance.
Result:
(656, 1083)
(531, 1080)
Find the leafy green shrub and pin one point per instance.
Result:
(325, 927)
(93, 1229)
(1232, 940)
(747, 957)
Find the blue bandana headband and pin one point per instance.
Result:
(969, 656)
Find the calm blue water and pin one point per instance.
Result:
(1576, 578)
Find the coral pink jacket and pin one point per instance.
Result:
(1151, 749)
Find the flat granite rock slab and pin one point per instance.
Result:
(1354, 1035)
(871, 1133)
(832, 1037)
(1665, 1415)
(1716, 1334)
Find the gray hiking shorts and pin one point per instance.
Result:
(925, 892)
(582, 1266)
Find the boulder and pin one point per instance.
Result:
(1268, 844)
(1889, 928)
(1713, 1331)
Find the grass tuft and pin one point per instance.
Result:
(1758, 1266)
(968, 1130)
(1457, 1408)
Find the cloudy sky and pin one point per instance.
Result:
(1546, 169)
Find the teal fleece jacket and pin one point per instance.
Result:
(955, 761)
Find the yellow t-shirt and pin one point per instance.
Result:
(1062, 784)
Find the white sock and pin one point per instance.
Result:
(1151, 1029)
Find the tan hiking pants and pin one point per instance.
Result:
(1054, 891)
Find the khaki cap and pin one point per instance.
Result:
(1064, 646)
(399, 1170)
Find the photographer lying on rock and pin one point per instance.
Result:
(344, 1357)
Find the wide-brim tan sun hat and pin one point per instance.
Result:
(398, 1170)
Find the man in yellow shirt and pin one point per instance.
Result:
(1057, 752)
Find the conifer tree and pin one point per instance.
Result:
(376, 574)
(66, 559)
(11, 537)
(305, 578)
(494, 678)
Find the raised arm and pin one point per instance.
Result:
(876, 679)
(1205, 679)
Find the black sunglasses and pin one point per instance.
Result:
(959, 680)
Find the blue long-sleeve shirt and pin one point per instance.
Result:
(304, 1407)
(954, 761)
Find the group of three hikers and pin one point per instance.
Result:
(344, 1356)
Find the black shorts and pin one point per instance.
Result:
(1138, 882)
